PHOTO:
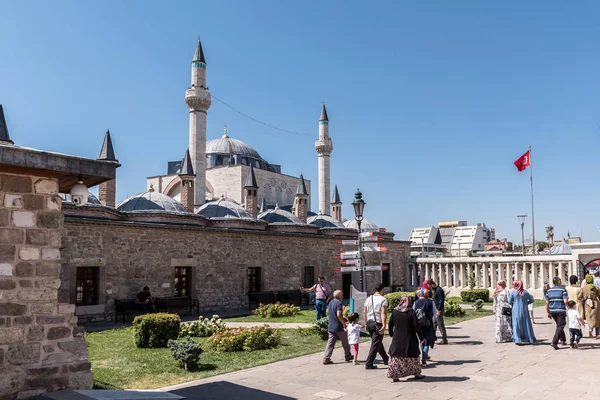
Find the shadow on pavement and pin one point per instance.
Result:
(443, 379)
(458, 337)
(470, 342)
(457, 362)
(226, 390)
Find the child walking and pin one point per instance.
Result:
(354, 327)
(575, 324)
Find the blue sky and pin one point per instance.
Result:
(429, 102)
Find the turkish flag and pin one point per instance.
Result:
(524, 161)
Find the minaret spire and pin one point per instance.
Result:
(198, 99)
(107, 152)
(301, 199)
(336, 205)
(324, 147)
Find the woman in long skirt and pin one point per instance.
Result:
(590, 297)
(522, 328)
(406, 335)
(503, 322)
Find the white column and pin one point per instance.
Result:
(494, 274)
(469, 275)
(516, 272)
(455, 276)
(561, 274)
(486, 274)
(544, 272)
(477, 276)
(509, 274)
(441, 274)
(448, 281)
(463, 275)
(552, 273)
(570, 268)
(526, 276)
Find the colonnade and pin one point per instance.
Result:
(484, 273)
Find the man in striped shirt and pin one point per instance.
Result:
(556, 306)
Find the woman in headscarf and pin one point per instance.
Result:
(426, 307)
(503, 322)
(590, 297)
(522, 328)
(406, 335)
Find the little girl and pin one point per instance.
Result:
(354, 327)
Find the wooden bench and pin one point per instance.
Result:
(126, 306)
(176, 303)
(260, 298)
(289, 297)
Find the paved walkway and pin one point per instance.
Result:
(472, 366)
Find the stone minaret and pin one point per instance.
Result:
(301, 207)
(251, 194)
(324, 146)
(107, 191)
(336, 205)
(198, 100)
(187, 182)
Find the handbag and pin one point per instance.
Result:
(507, 309)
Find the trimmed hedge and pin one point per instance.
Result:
(395, 297)
(471, 296)
(155, 330)
(453, 309)
(277, 310)
(245, 339)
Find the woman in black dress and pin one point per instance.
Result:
(406, 335)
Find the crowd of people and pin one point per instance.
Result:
(576, 306)
(412, 329)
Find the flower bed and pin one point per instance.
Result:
(245, 339)
(277, 310)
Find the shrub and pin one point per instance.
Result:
(453, 309)
(478, 305)
(187, 352)
(245, 339)
(155, 330)
(470, 296)
(395, 297)
(204, 327)
(321, 327)
(277, 310)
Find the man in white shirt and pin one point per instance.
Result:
(375, 313)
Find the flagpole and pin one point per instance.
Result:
(533, 247)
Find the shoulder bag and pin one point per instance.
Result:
(507, 309)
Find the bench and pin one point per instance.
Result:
(260, 298)
(289, 297)
(126, 306)
(176, 303)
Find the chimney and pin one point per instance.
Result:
(186, 174)
(251, 194)
(107, 191)
(301, 206)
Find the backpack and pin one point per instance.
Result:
(422, 318)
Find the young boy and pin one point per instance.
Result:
(575, 324)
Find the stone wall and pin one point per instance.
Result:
(131, 255)
(41, 347)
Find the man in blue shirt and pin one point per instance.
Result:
(337, 328)
(556, 306)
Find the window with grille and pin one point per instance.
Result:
(308, 278)
(386, 277)
(254, 281)
(87, 286)
(183, 276)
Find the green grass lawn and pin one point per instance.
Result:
(306, 316)
(458, 300)
(118, 364)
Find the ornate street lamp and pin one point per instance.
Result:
(359, 207)
(522, 222)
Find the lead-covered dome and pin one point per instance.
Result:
(365, 225)
(227, 145)
(277, 215)
(223, 208)
(325, 221)
(151, 201)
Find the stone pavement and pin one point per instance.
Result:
(472, 366)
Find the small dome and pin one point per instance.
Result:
(226, 145)
(325, 221)
(365, 226)
(92, 200)
(278, 215)
(151, 201)
(223, 208)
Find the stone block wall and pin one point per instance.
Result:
(41, 347)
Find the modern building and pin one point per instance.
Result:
(470, 239)
(447, 231)
(426, 242)
(455, 238)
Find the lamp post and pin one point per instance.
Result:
(522, 222)
(359, 207)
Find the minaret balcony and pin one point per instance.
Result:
(324, 146)
(198, 98)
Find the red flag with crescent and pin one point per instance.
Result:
(524, 161)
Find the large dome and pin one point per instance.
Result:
(325, 221)
(278, 215)
(151, 201)
(365, 226)
(227, 145)
(223, 208)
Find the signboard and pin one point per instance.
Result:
(376, 267)
(347, 242)
(348, 255)
(351, 262)
(372, 238)
(357, 302)
(346, 269)
(366, 234)
(373, 247)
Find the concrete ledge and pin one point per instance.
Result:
(108, 395)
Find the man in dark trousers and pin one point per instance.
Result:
(439, 298)
(557, 300)
(375, 313)
(337, 329)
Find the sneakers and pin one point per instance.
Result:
(348, 359)
(327, 362)
(443, 341)
(355, 362)
(554, 346)
(424, 364)
(370, 366)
